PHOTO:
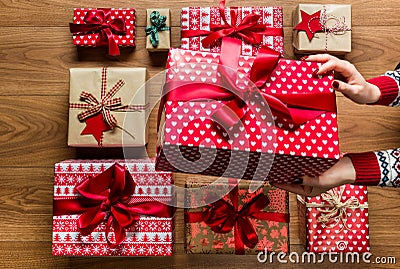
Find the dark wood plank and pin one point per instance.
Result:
(37, 62)
(59, 13)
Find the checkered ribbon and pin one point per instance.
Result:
(106, 104)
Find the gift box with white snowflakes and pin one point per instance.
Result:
(203, 27)
(112, 208)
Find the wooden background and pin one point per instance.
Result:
(35, 54)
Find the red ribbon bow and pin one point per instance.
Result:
(106, 197)
(222, 217)
(100, 21)
(248, 29)
(296, 109)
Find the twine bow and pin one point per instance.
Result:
(158, 25)
(336, 211)
(339, 28)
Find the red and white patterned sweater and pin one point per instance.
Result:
(383, 167)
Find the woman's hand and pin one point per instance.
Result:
(354, 85)
(341, 173)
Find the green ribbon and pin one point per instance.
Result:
(158, 22)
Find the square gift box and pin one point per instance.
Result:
(112, 208)
(111, 27)
(336, 221)
(158, 29)
(231, 219)
(255, 26)
(322, 28)
(195, 138)
(107, 107)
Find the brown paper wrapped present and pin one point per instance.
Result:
(158, 29)
(107, 107)
(322, 28)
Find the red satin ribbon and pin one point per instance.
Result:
(222, 217)
(102, 23)
(248, 29)
(105, 197)
(297, 109)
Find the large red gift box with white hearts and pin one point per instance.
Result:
(122, 32)
(336, 221)
(199, 22)
(192, 142)
(148, 235)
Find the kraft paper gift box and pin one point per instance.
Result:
(192, 136)
(322, 28)
(261, 222)
(107, 107)
(112, 208)
(336, 221)
(110, 27)
(158, 29)
(199, 23)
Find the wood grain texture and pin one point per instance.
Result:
(58, 13)
(36, 52)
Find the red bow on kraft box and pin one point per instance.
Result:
(104, 27)
(203, 28)
(245, 218)
(335, 221)
(103, 208)
(304, 139)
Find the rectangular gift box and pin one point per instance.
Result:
(263, 215)
(326, 228)
(204, 19)
(192, 141)
(322, 28)
(125, 37)
(121, 121)
(164, 35)
(149, 235)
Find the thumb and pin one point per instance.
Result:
(344, 88)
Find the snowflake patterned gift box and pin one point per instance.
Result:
(203, 27)
(110, 27)
(112, 208)
(207, 130)
(335, 221)
(322, 28)
(107, 107)
(235, 220)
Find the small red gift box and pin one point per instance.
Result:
(112, 208)
(207, 130)
(203, 27)
(111, 27)
(235, 220)
(336, 221)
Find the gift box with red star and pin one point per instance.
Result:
(101, 99)
(322, 28)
